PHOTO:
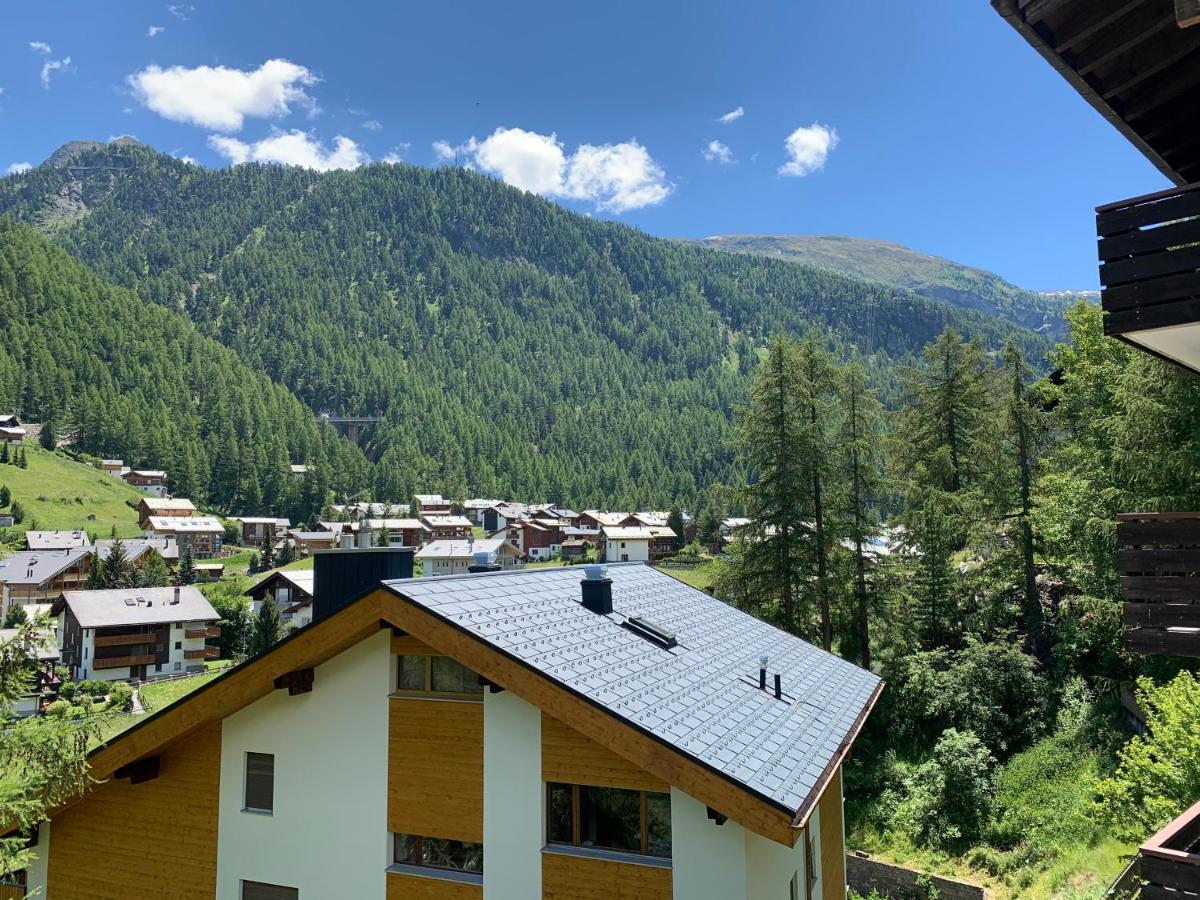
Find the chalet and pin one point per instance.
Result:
(447, 526)
(431, 505)
(113, 466)
(56, 540)
(497, 517)
(8, 420)
(534, 540)
(401, 532)
(14, 435)
(373, 510)
(136, 633)
(298, 470)
(729, 527)
(208, 572)
(138, 550)
(37, 576)
(308, 541)
(474, 509)
(201, 535)
(574, 548)
(571, 532)
(163, 507)
(625, 544)
(455, 557)
(257, 530)
(1138, 64)
(43, 650)
(148, 481)
(596, 520)
(501, 736)
(662, 542)
(291, 590)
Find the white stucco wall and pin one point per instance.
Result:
(770, 866)
(328, 835)
(513, 798)
(637, 551)
(35, 883)
(707, 860)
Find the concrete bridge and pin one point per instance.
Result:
(350, 426)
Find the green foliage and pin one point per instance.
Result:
(236, 622)
(120, 697)
(18, 512)
(16, 616)
(5, 495)
(66, 690)
(1158, 774)
(267, 627)
(48, 437)
(186, 571)
(946, 802)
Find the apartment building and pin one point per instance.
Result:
(499, 735)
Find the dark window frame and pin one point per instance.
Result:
(427, 689)
(418, 841)
(246, 805)
(275, 889)
(576, 812)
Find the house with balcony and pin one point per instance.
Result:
(456, 556)
(291, 590)
(201, 535)
(148, 481)
(309, 541)
(431, 505)
(138, 550)
(446, 526)
(623, 544)
(57, 540)
(1137, 62)
(163, 507)
(39, 576)
(136, 633)
(258, 530)
(520, 735)
(540, 540)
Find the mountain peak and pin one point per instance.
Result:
(72, 150)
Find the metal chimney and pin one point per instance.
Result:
(483, 561)
(597, 589)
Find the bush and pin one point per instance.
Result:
(120, 696)
(67, 690)
(92, 687)
(946, 801)
(59, 709)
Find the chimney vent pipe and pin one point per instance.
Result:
(597, 589)
(778, 687)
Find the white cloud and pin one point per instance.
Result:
(372, 124)
(396, 154)
(292, 148)
(17, 168)
(221, 98)
(807, 149)
(50, 66)
(732, 116)
(614, 177)
(40, 47)
(187, 159)
(155, 30)
(181, 11)
(718, 152)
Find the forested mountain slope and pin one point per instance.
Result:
(932, 277)
(512, 347)
(142, 384)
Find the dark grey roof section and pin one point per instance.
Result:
(700, 697)
(139, 606)
(39, 566)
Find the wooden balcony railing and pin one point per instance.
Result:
(1159, 562)
(202, 653)
(1149, 251)
(213, 631)
(195, 632)
(116, 662)
(118, 640)
(212, 652)
(1170, 861)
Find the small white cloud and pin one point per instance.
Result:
(808, 149)
(718, 153)
(292, 148)
(50, 66)
(732, 116)
(181, 11)
(155, 30)
(187, 159)
(17, 168)
(396, 154)
(221, 98)
(613, 177)
(372, 124)
(40, 47)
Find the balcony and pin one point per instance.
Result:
(201, 653)
(120, 640)
(117, 662)
(1170, 861)
(1159, 562)
(213, 631)
(1149, 250)
(212, 652)
(195, 632)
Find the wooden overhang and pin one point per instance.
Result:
(1136, 61)
(1159, 563)
(1170, 861)
(385, 607)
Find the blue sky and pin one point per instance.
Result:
(931, 124)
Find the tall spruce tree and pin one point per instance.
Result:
(267, 627)
(49, 434)
(1018, 421)
(675, 523)
(186, 574)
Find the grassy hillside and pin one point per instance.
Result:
(932, 277)
(59, 494)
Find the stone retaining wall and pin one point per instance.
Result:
(865, 875)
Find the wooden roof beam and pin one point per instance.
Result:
(1093, 25)
(1120, 40)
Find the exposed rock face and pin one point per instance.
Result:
(70, 151)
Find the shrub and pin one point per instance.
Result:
(18, 512)
(93, 687)
(946, 801)
(59, 709)
(67, 690)
(120, 696)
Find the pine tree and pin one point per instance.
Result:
(5, 495)
(17, 616)
(861, 451)
(287, 554)
(22, 461)
(118, 571)
(267, 627)
(266, 555)
(49, 434)
(675, 523)
(153, 572)
(187, 569)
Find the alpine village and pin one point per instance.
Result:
(376, 530)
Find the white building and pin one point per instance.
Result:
(626, 544)
(136, 632)
(454, 556)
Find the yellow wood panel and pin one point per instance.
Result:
(144, 841)
(435, 769)
(11, 892)
(413, 887)
(407, 645)
(577, 878)
(833, 838)
(570, 757)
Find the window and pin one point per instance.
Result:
(609, 819)
(809, 866)
(437, 675)
(260, 782)
(258, 890)
(179, 645)
(178, 666)
(437, 853)
(794, 887)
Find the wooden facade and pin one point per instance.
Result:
(98, 845)
(577, 878)
(571, 758)
(1170, 861)
(401, 886)
(1159, 562)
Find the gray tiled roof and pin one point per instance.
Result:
(39, 566)
(138, 606)
(701, 697)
